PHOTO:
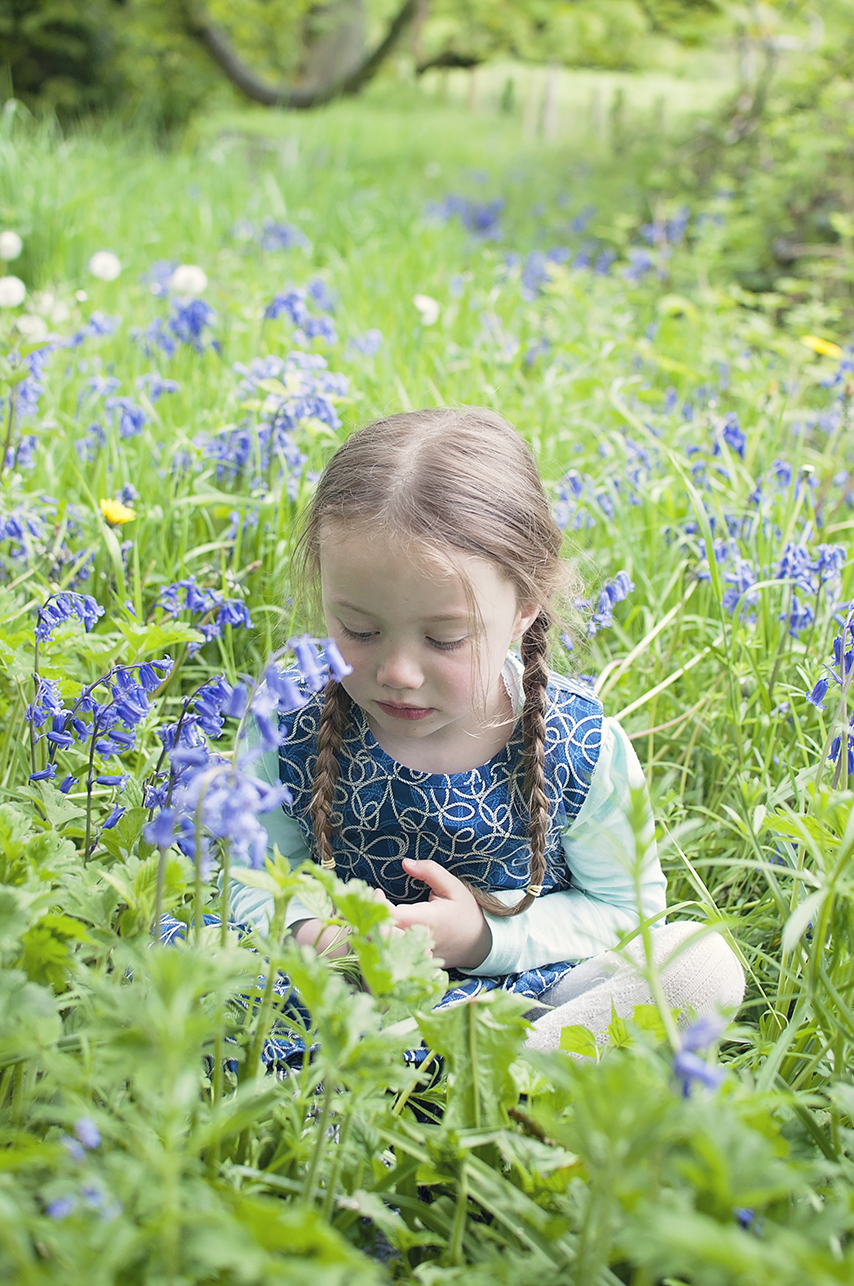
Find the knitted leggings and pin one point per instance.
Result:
(699, 975)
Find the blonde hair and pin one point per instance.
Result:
(459, 480)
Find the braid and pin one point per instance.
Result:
(333, 721)
(534, 680)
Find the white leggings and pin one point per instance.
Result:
(699, 975)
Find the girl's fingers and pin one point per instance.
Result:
(442, 883)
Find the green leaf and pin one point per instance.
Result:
(146, 640)
(578, 1040)
(479, 1039)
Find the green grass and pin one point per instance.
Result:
(595, 370)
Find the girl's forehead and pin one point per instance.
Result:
(381, 566)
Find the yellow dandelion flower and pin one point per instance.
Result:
(116, 513)
(824, 346)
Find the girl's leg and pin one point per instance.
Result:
(699, 975)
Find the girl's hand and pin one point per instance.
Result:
(461, 936)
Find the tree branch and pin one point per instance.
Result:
(198, 25)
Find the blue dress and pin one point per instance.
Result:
(474, 823)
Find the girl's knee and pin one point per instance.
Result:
(700, 972)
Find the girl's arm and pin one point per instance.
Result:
(609, 868)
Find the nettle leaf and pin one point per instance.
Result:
(479, 1040)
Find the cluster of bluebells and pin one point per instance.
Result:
(272, 235)
(295, 303)
(308, 392)
(612, 592)
(33, 536)
(481, 218)
(205, 795)
(188, 322)
(580, 501)
(811, 576)
(839, 673)
(216, 610)
(88, 1195)
(103, 721)
(688, 1066)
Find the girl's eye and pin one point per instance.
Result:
(447, 647)
(354, 634)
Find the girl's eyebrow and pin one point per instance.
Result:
(446, 616)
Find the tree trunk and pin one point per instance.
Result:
(199, 26)
(337, 39)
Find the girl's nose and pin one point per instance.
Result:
(399, 669)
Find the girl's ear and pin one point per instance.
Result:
(528, 613)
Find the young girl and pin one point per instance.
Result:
(484, 796)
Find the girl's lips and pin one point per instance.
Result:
(405, 712)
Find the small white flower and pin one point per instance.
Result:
(81, 296)
(11, 245)
(188, 279)
(105, 265)
(32, 327)
(60, 312)
(12, 292)
(428, 308)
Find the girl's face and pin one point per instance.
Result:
(427, 674)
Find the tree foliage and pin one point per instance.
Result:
(169, 57)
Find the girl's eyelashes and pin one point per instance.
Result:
(364, 636)
(355, 634)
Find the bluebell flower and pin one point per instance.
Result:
(73, 1147)
(740, 579)
(281, 236)
(602, 266)
(640, 263)
(155, 386)
(316, 328)
(743, 1215)
(307, 659)
(796, 565)
(480, 218)
(816, 697)
(60, 608)
(829, 560)
(799, 617)
(132, 417)
(541, 347)
(114, 817)
(97, 326)
(671, 398)
(581, 220)
(87, 1132)
(703, 1032)
(189, 321)
(733, 434)
(112, 779)
(368, 344)
(66, 783)
(101, 385)
(318, 292)
(61, 1208)
(690, 1068)
(337, 666)
(158, 276)
(235, 613)
(44, 774)
(161, 831)
(292, 303)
